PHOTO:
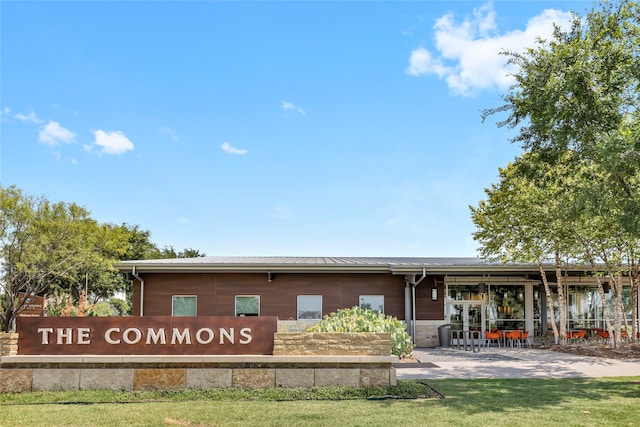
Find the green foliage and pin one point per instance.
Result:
(57, 250)
(102, 309)
(120, 307)
(357, 319)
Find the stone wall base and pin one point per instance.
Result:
(8, 344)
(56, 373)
(427, 333)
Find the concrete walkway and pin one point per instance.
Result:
(443, 363)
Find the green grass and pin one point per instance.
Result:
(512, 402)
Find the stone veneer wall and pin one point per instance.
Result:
(303, 360)
(8, 344)
(427, 333)
(332, 344)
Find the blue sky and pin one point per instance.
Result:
(265, 128)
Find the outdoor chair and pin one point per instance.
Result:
(489, 337)
(512, 338)
(524, 339)
(576, 336)
(602, 334)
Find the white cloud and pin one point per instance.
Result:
(53, 134)
(170, 132)
(289, 106)
(114, 142)
(468, 53)
(31, 117)
(228, 148)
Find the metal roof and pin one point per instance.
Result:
(399, 265)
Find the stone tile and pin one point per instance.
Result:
(106, 379)
(254, 378)
(208, 378)
(295, 377)
(374, 377)
(56, 379)
(159, 379)
(339, 377)
(393, 378)
(15, 380)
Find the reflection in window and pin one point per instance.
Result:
(309, 307)
(506, 308)
(184, 305)
(372, 302)
(247, 305)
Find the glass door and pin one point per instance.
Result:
(466, 316)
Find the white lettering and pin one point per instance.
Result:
(229, 335)
(153, 336)
(199, 336)
(45, 334)
(246, 334)
(107, 336)
(83, 336)
(65, 334)
(181, 337)
(126, 336)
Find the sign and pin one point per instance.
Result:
(33, 306)
(152, 335)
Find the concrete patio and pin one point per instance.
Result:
(445, 363)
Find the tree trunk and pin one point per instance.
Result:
(547, 291)
(562, 306)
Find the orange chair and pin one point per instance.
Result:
(489, 337)
(602, 334)
(524, 339)
(576, 335)
(512, 337)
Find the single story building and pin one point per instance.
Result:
(467, 293)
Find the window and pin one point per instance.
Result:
(184, 305)
(247, 305)
(372, 302)
(309, 307)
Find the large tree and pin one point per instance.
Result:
(41, 244)
(574, 106)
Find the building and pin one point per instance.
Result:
(467, 293)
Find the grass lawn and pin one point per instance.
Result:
(512, 402)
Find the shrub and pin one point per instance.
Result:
(357, 319)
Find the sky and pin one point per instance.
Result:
(291, 128)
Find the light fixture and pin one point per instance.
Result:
(434, 294)
(482, 288)
(269, 277)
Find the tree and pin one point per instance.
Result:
(40, 243)
(578, 86)
(522, 220)
(575, 108)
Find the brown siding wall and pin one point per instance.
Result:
(425, 308)
(216, 292)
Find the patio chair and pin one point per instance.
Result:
(602, 334)
(524, 339)
(512, 338)
(489, 337)
(577, 336)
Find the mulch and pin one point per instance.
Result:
(627, 351)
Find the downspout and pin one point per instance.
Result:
(411, 280)
(134, 274)
(413, 302)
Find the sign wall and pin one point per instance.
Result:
(153, 335)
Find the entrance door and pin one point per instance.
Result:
(466, 316)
